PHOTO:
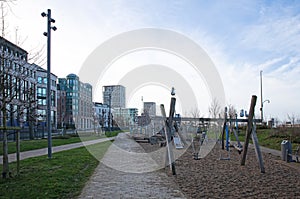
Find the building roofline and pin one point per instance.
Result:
(41, 69)
(16, 46)
(113, 85)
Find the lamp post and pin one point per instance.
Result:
(262, 107)
(261, 99)
(48, 35)
(110, 115)
(109, 112)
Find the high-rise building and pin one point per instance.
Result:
(150, 108)
(114, 96)
(79, 105)
(86, 106)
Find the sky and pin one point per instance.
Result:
(242, 38)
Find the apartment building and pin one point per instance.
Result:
(41, 88)
(78, 112)
(114, 96)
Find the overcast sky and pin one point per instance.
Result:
(241, 38)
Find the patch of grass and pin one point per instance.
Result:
(27, 145)
(112, 133)
(272, 138)
(63, 176)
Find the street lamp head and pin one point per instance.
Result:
(52, 20)
(54, 28)
(45, 34)
(43, 14)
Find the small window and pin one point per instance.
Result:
(40, 80)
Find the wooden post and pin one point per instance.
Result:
(249, 128)
(224, 127)
(170, 124)
(163, 113)
(257, 151)
(169, 155)
(18, 151)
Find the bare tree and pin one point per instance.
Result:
(214, 108)
(17, 89)
(292, 118)
(231, 111)
(195, 112)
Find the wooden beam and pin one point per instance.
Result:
(257, 151)
(190, 119)
(169, 154)
(224, 127)
(170, 122)
(249, 128)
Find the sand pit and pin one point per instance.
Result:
(211, 177)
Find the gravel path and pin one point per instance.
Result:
(122, 173)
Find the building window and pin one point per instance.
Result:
(41, 114)
(42, 102)
(53, 98)
(41, 92)
(40, 80)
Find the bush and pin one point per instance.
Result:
(112, 133)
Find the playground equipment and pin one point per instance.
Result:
(199, 138)
(226, 130)
(171, 136)
(235, 131)
(251, 131)
(287, 152)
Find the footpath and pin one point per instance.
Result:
(126, 171)
(44, 151)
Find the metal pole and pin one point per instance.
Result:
(109, 113)
(261, 98)
(49, 85)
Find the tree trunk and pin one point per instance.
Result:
(31, 132)
(5, 171)
(18, 151)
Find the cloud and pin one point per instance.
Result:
(278, 36)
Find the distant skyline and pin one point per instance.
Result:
(241, 37)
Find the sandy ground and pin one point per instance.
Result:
(211, 177)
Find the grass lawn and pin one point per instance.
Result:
(272, 138)
(27, 145)
(63, 176)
